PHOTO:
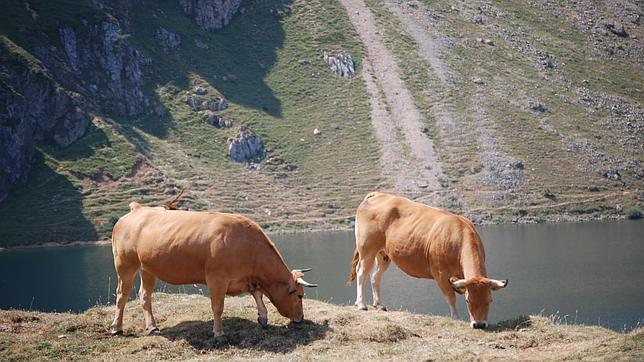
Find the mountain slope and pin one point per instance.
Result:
(500, 110)
(267, 64)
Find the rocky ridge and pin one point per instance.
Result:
(48, 92)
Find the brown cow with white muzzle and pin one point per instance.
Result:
(424, 242)
(229, 253)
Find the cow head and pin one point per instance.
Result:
(288, 297)
(478, 296)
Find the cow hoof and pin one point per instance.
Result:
(263, 322)
(116, 333)
(154, 331)
(221, 341)
(381, 307)
(362, 307)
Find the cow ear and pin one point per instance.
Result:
(499, 284)
(458, 284)
(291, 287)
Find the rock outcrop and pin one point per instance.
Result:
(205, 103)
(167, 39)
(210, 14)
(246, 147)
(341, 64)
(216, 120)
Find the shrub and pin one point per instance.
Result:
(549, 194)
(634, 213)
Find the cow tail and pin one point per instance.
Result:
(354, 267)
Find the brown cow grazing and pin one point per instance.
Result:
(424, 242)
(229, 253)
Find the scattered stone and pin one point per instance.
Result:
(167, 39)
(290, 167)
(477, 80)
(200, 44)
(485, 41)
(303, 62)
(275, 161)
(611, 174)
(619, 208)
(536, 106)
(517, 165)
(424, 129)
(335, 126)
(616, 28)
(246, 147)
(316, 131)
(547, 61)
(422, 184)
(341, 64)
(199, 90)
(229, 77)
(478, 19)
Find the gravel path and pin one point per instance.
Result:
(410, 160)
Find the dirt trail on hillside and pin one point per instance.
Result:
(457, 134)
(408, 155)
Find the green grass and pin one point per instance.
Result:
(279, 99)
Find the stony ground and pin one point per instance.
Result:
(329, 332)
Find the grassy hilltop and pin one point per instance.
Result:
(329, 332)
(578, 156)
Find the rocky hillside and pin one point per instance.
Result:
(329, 332)
(291, 111)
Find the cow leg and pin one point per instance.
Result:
(218, 291)
(262, 312)
(145, 295)
(382, 263)
(364, 268)
(125, 284)
(450, 296)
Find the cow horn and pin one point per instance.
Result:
(302, 270)
(305, 283)
(498, 284)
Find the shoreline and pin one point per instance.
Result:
(551, 219)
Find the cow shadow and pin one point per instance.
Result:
(514, 324)
(246, 334)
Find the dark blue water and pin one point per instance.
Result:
(588, 273)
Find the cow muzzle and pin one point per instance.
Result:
(479, 325)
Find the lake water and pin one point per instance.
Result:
(589, 273)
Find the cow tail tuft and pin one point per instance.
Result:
(354, 267)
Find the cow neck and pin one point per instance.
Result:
(272, 268)
(472, 255)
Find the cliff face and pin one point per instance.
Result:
(210, 14)
(33, 108)
(86, 66)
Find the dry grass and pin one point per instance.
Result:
(330, 332)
